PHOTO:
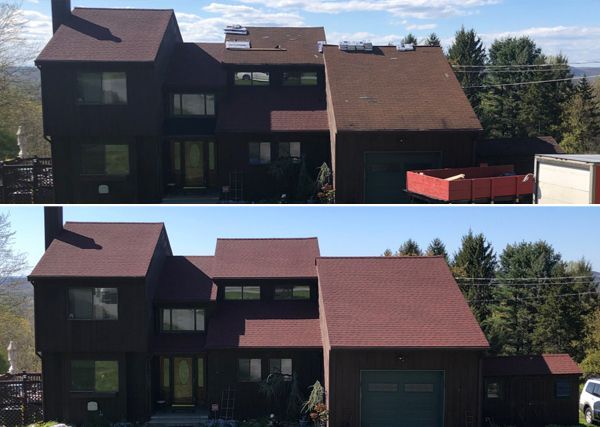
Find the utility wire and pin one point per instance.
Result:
(530, 285)
(536, 297)
(524, 65)
(528, 83)
(549, 70)
(521, 279)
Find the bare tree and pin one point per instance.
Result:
(12, 263)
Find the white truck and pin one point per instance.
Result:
(589, 401)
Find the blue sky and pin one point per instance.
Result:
(568, 26)
(342, 231)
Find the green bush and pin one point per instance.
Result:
(591, 364)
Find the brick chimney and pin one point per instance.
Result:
(53, 223)
(61, 10)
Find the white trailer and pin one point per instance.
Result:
(567, 179)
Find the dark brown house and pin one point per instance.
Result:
(127, 328)
(135, 114)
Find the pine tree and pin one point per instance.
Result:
(409, 248)
(410, 39)
(468, 50)
(433, 40)
(437, 248)
(581, 121)
(475, 260)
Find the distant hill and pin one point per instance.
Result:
(586, 71)
(597, 279)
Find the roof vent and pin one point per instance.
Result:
(245, 44)
(356, 46)
(236, 29)
(320, 45)
(405, 47)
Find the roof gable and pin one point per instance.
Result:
(205, 58)
(187, 278)
(97, 250)
(266, 258)
(109, 35)
(395, 302)
(391, 90)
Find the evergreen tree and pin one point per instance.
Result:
(433, 40)
(409, 248)
(410, 39)
(591, 364)
(437, 248)
(388, 252)
(476, 260)
(581, 121)
(468, 50)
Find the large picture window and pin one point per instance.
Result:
(297, 78)
(102, 88)
(193, 104)
(260, 153)
(249, 370)
(298, 292)
(93, 304)
(238, 293)
(98, 376)
(251, 78)
(182, 319)
(105, 159)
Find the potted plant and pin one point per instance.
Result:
(315, 405)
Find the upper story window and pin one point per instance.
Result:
(281, 366)
(105, 159)
(289, 150)
(93, 303)
(239, 293)
(102, 88)
(182, 319)
(259, 153)
(193, 104)
(300, 292)
(298, 78)
(251, 78)
(97, 376)
(249, 370)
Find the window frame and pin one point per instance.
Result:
(500, 389)
(92, 291)
(84, 173)
(249, 379)
(562, 381)
(242, 293)
(286, 377)
(205, 96)
(295, 159)
(299, 81)
(195, 311)
(252, 80)
(291, 288)
(94, 390)
(102, 74)
(260, 161)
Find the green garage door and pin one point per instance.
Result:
(402, 398)
(385, 174)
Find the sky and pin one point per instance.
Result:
(571, 27)
(342, 231)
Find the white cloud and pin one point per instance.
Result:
(420, 27)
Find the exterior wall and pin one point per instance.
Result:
(530, 401)
(457, 150)
(597, 185)
(561, 182)
(461, 372)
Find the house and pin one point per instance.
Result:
(135, 114)
(125, 327)
(531, 390)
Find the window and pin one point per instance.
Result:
(281, 366)
(292, 292)
(260, 153)
(251, 78)
(289, 150)
(249, 370)
(102, 88)
(493, 390)
(193, 104)
(296, 78)
(238, 293)
(101, 159)
(93, 303)
(562, 389)
(593, 389)
(100, 376)
(182, 319)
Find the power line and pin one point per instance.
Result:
(521, 279)
(529, 83)
(549, 70)
(578, 294)
(531, 285)
(524, 65)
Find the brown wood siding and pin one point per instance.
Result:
(457, 150)
(531, 401)
(461, 377)
(222, 369)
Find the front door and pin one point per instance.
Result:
(193, 163)
(182, 380)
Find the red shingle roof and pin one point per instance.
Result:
(187, 279)
(395, 302)
(197, 65)
(93, 249)
(280, 110)
(266, 258)
(390, 90)
(555, 364)
(293, 324)
(109, 35)
(298, 46)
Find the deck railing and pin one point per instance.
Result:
(26, 181)
(21, 401)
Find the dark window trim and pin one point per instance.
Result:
(171, 331)
(105, 175)
(102, 104)
(299, 84)
(500, 389)
(94, 393)
(260, 293)
(568, 383)
(259, 164)
(92, 319)
(291, 289)
(252, 78)
(180, 94)
(249, 359)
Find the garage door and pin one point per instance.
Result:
(385, 174)
(402, 398)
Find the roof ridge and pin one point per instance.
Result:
(267, 238)
(125, 8)
(114, 222)
(382, 257)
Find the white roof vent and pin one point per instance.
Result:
(405, 47)
(320, 45)
(236, 29)
(245, 44)
(356, 46)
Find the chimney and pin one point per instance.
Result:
(53, 223)
(61, 11)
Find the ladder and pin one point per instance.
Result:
(227, 404)
(236, 186)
